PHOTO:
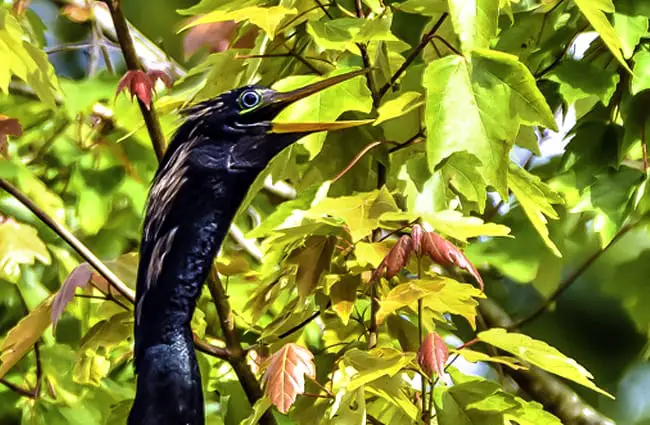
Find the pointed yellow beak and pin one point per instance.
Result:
(281, 100)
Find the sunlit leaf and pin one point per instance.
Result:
(19, 245)
(285, 375)
(540, 354)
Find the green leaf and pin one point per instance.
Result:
(259, 408)
(540, 354)
(461, 171)
(594, 11)
(630, 29)
(422, 7)
(471, 105)
(360, 212)
(324, 106)
(24, 61)
(475, 22)
(580, 80)
(641, 77)
(374, 364)
(343, 294)
(19, 245)
(535, 197)
(313, 259)
(342, 33)
(401, 105)
(266, 18)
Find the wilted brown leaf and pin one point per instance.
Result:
(433, 354)
(447, 254)
(24, 335)
(285, 375)
(79, 278)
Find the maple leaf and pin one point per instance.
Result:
(433, 354)
(142, 85)
(447, 254)
(285, 375)
(8, 127)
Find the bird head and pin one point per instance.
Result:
(237, 129)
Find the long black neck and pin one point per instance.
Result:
(189, 212)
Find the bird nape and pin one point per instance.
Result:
(214, 157)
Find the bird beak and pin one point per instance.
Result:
(282, 100)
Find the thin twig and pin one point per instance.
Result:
(39, 370)
(571, 279)
(131, 60)
(414, 54)
(18, 389)
(446, 43)
(71, 240)
(356, 159)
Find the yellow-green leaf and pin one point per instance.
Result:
(401, 105)
(540, 354)
(594, 11)
(535, 197)
(19, 244)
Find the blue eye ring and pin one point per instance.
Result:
(250, 99)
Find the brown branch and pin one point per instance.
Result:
(71, 240)
(236, 354)
(414, 54)
(571, 279)
(132, 63)
(17, 389)
(356, 159)
(557, 397)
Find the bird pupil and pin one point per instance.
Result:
(250, 99)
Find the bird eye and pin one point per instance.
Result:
(249, 99)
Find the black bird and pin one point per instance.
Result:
(212, 160)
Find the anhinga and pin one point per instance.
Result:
(222, 146)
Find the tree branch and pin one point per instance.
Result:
(17, 389)
(414, 54)
(236, 354)
(132, 63)
(71, 240)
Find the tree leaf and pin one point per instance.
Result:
(447, 254)
(405, 294)
(475, 21)
(477, 356)
(396, 259)
(594, 11)
(580, 80)
(422, 7)
(540, 354)
(78, 278)
(23, 336)
(433, 354)
(374, 364)
(470, 107)
(285, 375)
(401, 105)
(343, 295)
(312, 259)
(19, 245)
(452, 297)
(266, 18)
(360, 212)
(535, 197)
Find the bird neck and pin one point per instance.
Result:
(178, 259)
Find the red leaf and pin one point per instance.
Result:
(155, 74)
(447, 254)
(8, 127)
(285, 375)
(137, 83)
(416, 236)
(396, 259)
(433, 354)
(79, 278)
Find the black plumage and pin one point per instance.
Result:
(212, 160)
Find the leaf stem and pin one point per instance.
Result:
(414, 54)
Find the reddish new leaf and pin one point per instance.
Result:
(396, 259)
(76, 13)
(79, 278)
(8, 127)
(137, 83)
(285, 375)
(416, 236)
(447, 254)
(433, 354)
(156, 74)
